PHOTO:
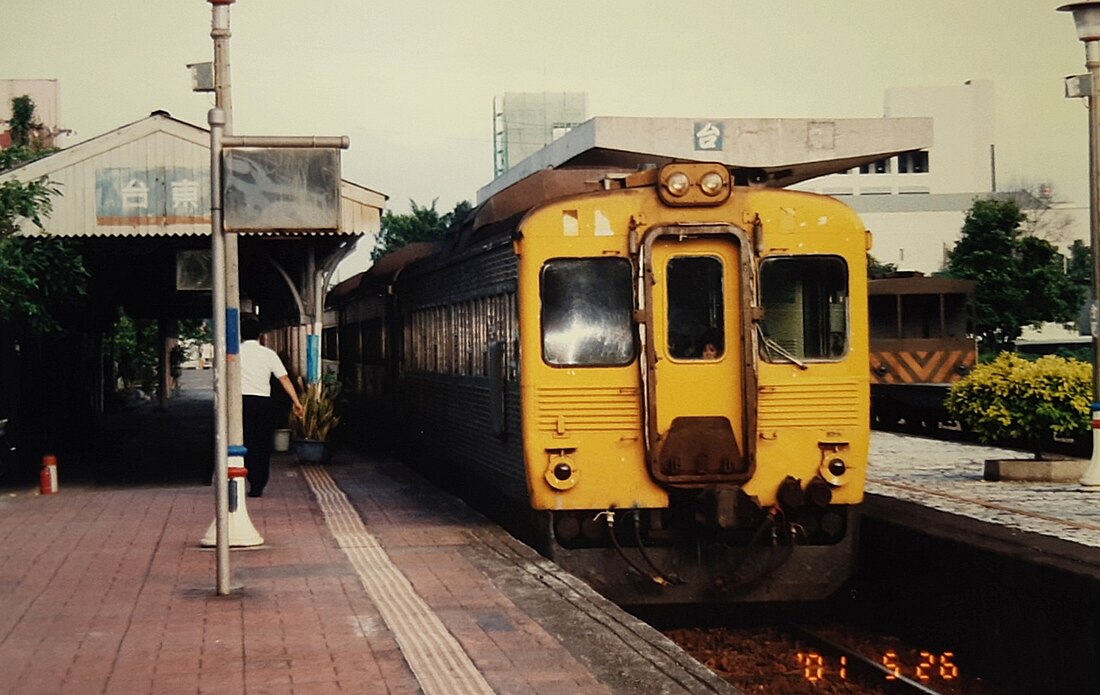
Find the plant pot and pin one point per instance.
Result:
(281, 441)
(311, 450)
(1056, 470)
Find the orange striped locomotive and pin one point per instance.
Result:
(922, 341)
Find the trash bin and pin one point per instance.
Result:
(282, 440)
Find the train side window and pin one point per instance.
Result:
(372, 341)
(587, 312)
(329, 343)
(805, 300)
(884, 316)
(696, 308)
(348, 343)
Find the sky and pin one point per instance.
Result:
(412, 82)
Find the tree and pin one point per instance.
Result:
(1020, 280)
(1041, 216)
(422, 224)
(38, 274)
(29, 200)
(39, 277)
(1012, 399)
(877, 269)
(24, 201)
(1079, 265)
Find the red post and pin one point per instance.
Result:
(47, 478)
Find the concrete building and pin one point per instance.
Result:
(932, 154)
(915, 203)
(524, 122)
(46, 95)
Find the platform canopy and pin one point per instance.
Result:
(138, 200)
(774, 152)
(152, 178)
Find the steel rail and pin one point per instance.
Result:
(891, 680)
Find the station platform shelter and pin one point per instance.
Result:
(134, 203)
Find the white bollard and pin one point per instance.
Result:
(1091, 478)
(242, 533)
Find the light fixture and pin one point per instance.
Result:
(1086, 15)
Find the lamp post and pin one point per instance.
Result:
(227, 379)
(1086, 15)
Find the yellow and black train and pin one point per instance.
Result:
(922, 342)
(664, 370)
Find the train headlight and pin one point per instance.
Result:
(678, 184)
(834, 466)
(561, 472)
(694, 183)
(834, 470)
(712, 183)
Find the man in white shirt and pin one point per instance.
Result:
(258, 365)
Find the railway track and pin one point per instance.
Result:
(882, 671)
(840, 658)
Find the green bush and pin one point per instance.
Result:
(1012, 399)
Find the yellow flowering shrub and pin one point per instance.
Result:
(1018, 400)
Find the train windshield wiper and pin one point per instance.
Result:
(773, 348)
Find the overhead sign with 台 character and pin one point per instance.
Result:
(273, 189)
(709, 136)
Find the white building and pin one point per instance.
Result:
(915, 203)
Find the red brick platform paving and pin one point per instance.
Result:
(106, 590)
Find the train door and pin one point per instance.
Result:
(695, 347)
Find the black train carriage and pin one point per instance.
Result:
(922, 342)
(657, 368)
(360, 341)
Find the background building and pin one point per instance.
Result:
(915, 203)
(46, 95)
(525, 122)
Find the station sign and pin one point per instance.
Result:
(278, 189)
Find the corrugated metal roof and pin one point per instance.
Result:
(152, 178)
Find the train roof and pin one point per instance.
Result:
(384, 270)
(920, 284)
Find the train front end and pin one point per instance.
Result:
(694, 386)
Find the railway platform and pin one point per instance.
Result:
(369, 580)
(947, 477)
(1005, 575)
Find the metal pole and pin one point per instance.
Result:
(226, 306)
(1091, 478)
(313, 337)
(216, 119)
(223, 97)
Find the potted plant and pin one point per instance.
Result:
(311, 431)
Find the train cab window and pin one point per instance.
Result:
(805, 301)
(696, 330)
(587, 312)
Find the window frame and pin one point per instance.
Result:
(629, 323)
(845, 270)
